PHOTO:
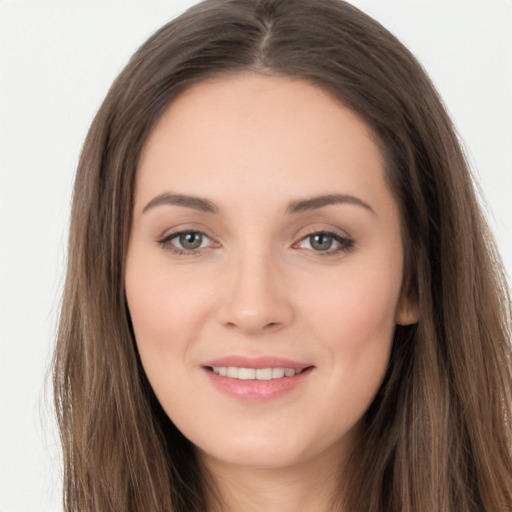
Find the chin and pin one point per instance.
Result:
(255, 455)
(260, 450)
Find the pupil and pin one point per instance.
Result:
(191, 240)
(321, 242)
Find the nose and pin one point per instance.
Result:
(255, 298)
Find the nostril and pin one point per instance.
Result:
(263, 316)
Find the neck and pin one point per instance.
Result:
(310, 486)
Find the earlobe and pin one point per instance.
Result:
(407, 312)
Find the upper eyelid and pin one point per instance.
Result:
(329, 232)
(184, 228)
(322, 228)
(165, 243)
(341, 239)
(337, 233)
(175, 234)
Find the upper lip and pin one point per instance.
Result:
(256, 362)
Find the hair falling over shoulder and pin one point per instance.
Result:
(438, 435)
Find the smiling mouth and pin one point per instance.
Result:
(234, 372)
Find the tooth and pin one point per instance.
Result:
(232, 372)
(246, 373)
(264, 374)
(277, 373)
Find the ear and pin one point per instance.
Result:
(407, 311)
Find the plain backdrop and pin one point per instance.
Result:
(57, 60)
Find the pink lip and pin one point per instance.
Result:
(256, 390)
(256, 362)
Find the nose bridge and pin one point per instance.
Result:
(254, 298)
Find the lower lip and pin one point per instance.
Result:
(257, 390)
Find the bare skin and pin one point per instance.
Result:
(265, 237)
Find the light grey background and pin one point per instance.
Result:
(57, 60)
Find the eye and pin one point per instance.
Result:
(326, 242)
(320, 241)
(186, 242)
(190, 241)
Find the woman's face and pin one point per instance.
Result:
(264, 270)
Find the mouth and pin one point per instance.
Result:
(271, 373)
(257, 379)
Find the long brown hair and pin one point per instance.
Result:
(437, 437)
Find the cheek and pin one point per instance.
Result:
(358, 305)
(167, 313)
(354, 319)
(163, 306)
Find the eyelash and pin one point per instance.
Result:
(167, 244)
(345, 244)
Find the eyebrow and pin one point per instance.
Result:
(303, 205)
(196, 203)
(320, 201)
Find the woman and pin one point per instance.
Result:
(281, 291)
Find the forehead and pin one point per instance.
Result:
(252, 130)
